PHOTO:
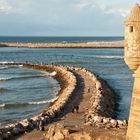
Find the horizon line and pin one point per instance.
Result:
(56, 36)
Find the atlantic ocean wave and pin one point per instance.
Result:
(21, 105)
(108, 56)
(11, 106)
(43, 102)
(4, 79)
(6, 62)
(21, 77)
(2, 105)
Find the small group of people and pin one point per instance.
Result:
(75, 109)
(40, 125)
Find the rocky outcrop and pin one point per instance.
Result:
(56, 131)
(59, 132)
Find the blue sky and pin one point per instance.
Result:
(63, 17)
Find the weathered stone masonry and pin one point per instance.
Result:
(132, 59)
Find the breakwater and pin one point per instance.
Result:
(116, 44)
(100, 113)
(67, 81)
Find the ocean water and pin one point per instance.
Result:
(62, 39)
(26, 92)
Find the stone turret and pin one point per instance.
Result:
(132, 59)
(132, 38)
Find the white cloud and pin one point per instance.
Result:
(113, 10)
(4, 6)
(103, 7)
(68, 17)
(14, 6)
(85, 4)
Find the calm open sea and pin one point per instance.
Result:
(25, 92)
(54, 39)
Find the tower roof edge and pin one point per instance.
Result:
(135, 14)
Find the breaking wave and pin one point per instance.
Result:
(4, 79)
(22, 77)
(108, 56)
(43, 102)
(18, 105)
(2, 105)
(6, 62)
(11, 106)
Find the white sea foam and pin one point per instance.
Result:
(4, 79)
(2, 105)
(108, 56)
(105, 42)
(43, 102)
(49, 74)
(20, 65)
(53, 73)
(6, 62)
(20, 77)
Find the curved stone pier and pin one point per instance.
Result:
(67, 82)
(99, 112)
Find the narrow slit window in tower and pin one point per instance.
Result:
(131, 29)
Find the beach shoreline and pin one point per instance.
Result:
(113, 44)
